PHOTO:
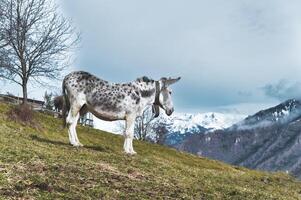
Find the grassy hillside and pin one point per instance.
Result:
(38, 163)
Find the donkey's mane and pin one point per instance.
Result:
(145, 79)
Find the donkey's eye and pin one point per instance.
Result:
(169, 92)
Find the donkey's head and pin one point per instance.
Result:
(163, 96)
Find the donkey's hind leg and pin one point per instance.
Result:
(77, 143)
(72, 119)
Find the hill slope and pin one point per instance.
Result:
(39, 163)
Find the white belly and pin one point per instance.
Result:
(106, 115)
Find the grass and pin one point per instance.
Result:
(38, 163)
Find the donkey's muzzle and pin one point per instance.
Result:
(169, 111)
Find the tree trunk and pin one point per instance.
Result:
(24, 88)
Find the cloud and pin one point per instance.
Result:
(283, 90)
(245, 93)
(224, 50)
(218, 47)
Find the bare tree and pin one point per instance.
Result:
(36, 41)
(4, 58)
(147, 127)
(143, 124)
(1, 22)
(160, 132)
(2, 3)
(48, 99)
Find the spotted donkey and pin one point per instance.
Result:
(84, 92)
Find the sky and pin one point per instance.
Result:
(233, 56)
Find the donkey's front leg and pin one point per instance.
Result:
(129, 135)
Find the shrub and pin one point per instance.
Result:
(22, 113)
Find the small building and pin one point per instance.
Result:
(86, 120)
(8, 98)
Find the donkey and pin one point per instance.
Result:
(58, 103)
(85, 92)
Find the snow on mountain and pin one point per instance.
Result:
(184, 122)
(180, 122)
(282, 113)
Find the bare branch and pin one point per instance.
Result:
(144, 124)
(34, 41)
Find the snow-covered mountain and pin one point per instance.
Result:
(185, 122)
(282, 113)
(183, 125)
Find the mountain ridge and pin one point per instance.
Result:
(268, 140)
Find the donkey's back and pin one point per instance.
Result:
(107, 101)
(81, 81)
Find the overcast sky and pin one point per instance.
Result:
(242, 54)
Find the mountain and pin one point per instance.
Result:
(184, 122)
(37, 162)
(179, 126)
(268, 140)
(283, 113)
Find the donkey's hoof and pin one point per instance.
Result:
(77, 145)
(130, 153)
(133, 152)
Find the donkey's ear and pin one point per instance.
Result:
(171, 81)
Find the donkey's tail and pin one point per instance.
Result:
(66, 104)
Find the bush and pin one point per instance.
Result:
(21, 113)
